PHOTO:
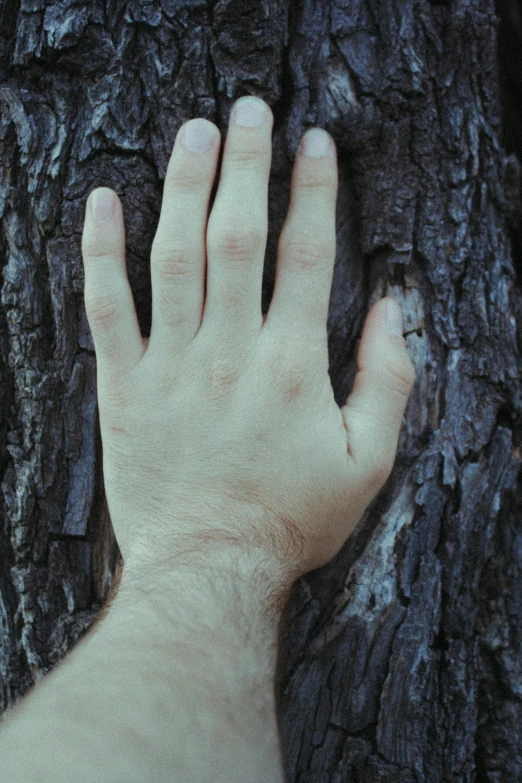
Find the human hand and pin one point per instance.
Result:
(221, 430)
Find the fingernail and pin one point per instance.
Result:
(198, 135)
(394, 317)
(316, 143)
(250, 111)
(103, 203)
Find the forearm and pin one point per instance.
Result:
(174, 685)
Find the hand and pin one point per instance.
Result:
(222, 431)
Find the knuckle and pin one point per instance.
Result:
(401, 379)
(170, 260)
(239, 244)
(305, 252)
(245, 157)
(323, 183)
(222, 376)
(95, 251)
(186, 178)
(100, 309)
(288, 375)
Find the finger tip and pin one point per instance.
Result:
(103, 203)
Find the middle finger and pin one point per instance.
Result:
(238, 225)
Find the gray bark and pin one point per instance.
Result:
(401, 660)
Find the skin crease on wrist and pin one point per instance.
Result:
(224, 453)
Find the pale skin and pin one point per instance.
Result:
(229, 470)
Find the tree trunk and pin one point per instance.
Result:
(401, 660)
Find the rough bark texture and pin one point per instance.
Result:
(401, 660)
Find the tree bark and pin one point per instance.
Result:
(401, 660)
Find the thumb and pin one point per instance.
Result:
(386, 376)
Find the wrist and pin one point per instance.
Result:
(223, 606)
(253, 578)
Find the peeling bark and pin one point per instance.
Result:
(401, 660)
